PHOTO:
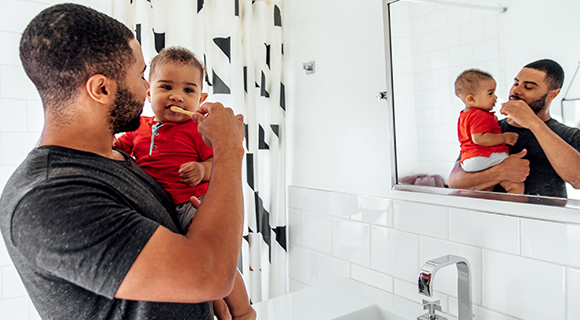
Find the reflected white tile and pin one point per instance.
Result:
(14, 84)
(551, 241)
(372, 210)
(16, 146)
(34, 116)
(294, 285)
(395, 253)
(351, 241)
(14, 309)
(317, 232)
(15, 17)
(302, 265)
(573, 285)
(445, 281)
(522, 287)
(372, 278)
(332, 203)
(424, 219)
(10, 43)
(295, 226)
(4, 256)
(329, 269)
(302, 198)
(491, 231)
(479, 312)
(12, 286)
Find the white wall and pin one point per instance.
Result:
(344, 220)
(21, 121)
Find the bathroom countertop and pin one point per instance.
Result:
(340, 299)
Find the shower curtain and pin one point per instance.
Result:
(240, 44)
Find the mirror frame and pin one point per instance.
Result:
(439, 191)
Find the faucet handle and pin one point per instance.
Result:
(432, 306)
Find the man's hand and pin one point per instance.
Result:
(520, 113)
(510, 138)
(218, 124)
(191, 173)
(515, 168)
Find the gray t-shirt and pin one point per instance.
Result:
(74, 222)
(543, 179)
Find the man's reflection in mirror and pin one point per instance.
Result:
(546, 154)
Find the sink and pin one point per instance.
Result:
(371, 313)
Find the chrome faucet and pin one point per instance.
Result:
(427, 275)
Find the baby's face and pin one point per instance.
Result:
(175, 85)
(485, 98)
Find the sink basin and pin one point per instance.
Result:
(371, 313)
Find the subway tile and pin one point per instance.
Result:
(14, 115)
(332, 203)
(522, 287)
(12, 286)
(573, 286)
(372, 278)
(486, 50)
(9, 53)
(351, 241)
(302, 265)
(317, 232)
(295, 226)
(424, 219)
(16, 146)
(33, 313)
(4, 256)
(472, 32)
(16, 16)
(294, 285)
(34, 116)
(302, 198)
(479, 312)
(372, 210)
(551, 241)
(14, 84)
(490, 231)
(5, 173)
(329, 269)
(448, 38)
(395, 253)
(445, 280)
(14, 309)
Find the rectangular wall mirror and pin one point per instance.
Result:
(429, 43)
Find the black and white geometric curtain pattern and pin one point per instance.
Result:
(240, 43)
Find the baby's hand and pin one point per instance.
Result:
(191, 173)
(510, 138)
(116, 142)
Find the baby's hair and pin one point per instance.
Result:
(178, 55)
(468, 82)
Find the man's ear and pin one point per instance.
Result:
(202, 97)
(101, 89)
(552, 94)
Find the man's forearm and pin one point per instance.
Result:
(481, 180)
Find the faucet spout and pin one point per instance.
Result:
(427, 275)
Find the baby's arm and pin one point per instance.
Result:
(193, 173)
(488, 139)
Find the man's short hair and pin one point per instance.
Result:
(468, 82)
(553, 70)
(177, 55)
(66, 44)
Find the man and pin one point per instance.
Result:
(91, 235)
(546, 154)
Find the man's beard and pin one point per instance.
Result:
(125, 112)
(536, 105)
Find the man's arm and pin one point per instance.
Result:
(564, 158)
(202, 265)
(514, 168)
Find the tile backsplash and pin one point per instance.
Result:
(521, 268)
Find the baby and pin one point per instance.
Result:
(483, 145)
(169, 147)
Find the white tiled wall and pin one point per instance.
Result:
(521, 268)
(21, 122)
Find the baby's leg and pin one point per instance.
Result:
(513, 187)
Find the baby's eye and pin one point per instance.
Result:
(166, 87)
(188, 90)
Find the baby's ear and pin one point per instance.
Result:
(470, 98)
(149, 95)
(202, 97)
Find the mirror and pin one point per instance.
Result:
(429, 43)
